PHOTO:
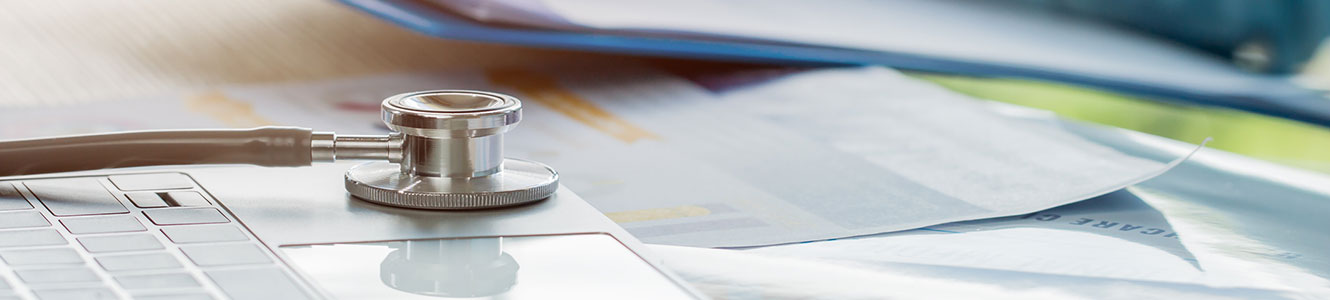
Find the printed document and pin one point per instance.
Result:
(720, 160)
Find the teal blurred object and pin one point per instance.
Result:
(986, 38)
(1257, 35)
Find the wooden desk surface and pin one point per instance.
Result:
(70, 51)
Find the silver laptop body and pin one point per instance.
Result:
(294, 233)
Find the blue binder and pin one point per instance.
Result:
(1278, 98)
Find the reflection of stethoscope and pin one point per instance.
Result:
(473, 267)
(446, 152)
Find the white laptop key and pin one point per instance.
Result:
(4, 285)
(225, 255)
(10, 199)
(157, 281)
(30, 238)
(75, 294)
(103, 224)
(133, 262)
(146, 200)
(75, 196)
(60, 275)
(204, 234)
(119, 243)
(264, 283)
(56, 256)
(22, 219)
(188, 199)
(181, 216)
(143, 182)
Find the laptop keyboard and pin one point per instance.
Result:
(141, 236)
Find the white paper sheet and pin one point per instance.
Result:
(1115, 236)
(1220, 226)
(817, 155)
(1115, 246)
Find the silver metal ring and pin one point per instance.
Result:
(519, 183)
(451, 113)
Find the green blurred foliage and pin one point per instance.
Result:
(1278, 140)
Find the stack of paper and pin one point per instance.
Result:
(988, 38)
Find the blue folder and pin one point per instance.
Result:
(1279, 98)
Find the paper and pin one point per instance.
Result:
(973, 37)
(1219, 225)
(813, 156)
(1114, 246)
(738, 275)
(741, 275)
(1114, 236)
(990, 32)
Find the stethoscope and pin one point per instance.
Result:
(445, 152)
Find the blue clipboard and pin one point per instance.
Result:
(1282, 99)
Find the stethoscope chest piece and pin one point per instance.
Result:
(451, 155)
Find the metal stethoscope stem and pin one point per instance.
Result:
(330, 147)
(446, 152)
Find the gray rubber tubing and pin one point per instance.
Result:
(264, 146)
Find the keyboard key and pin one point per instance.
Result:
(10, 199)
(157, 281)
(22, 219)
(120, 243)
(30, 238)
(64, 275)
(75, 197)
(225, 255)
(143, 182)
(181, 216)
(4, 285)
(76, 294)
(106, 224)
(41, 257)
(188, 199)
(266, 283)
(146, 200)
(204, 234)
(190, 296)
(134, 262)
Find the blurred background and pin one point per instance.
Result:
(71, 52)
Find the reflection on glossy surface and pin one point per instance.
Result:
(575, 266)
(450, 268)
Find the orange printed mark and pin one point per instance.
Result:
(546, 91)
(232, 112)
(658, 214)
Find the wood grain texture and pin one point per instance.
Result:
(68, 51)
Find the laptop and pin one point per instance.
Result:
(240, 232)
